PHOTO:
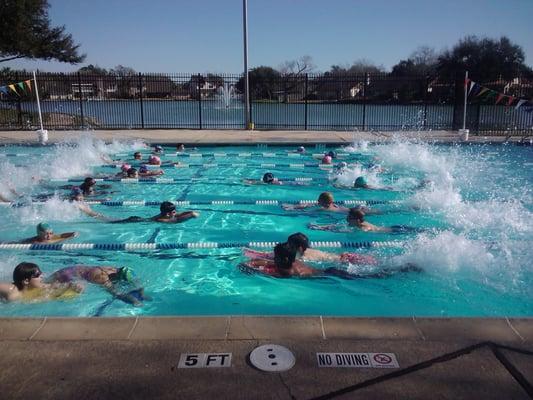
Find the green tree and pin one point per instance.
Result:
(485, 59)
(264, 82)
(25, 32)
(423, 61)
(93, 70)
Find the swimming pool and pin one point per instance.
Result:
(475, 254)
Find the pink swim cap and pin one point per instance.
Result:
(326, 160)
(154, 160)
(125, 167)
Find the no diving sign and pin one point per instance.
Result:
(357, 360)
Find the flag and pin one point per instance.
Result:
(21, 85)
(511, 100)
(467, 80)
(472, 85)
(28, 84)
(482, 91)
(499, 98)
(12, 87)
(3, 89)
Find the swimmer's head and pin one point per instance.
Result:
(167, 208)
(158, 149)
(143, 169)
(180, 147)
(44, 231)
(360, 182)
(326, 159)
(137, 155)
(298, 241)
(125, 274)
(355, 216)
(341, 166)
(332, 154)
(27, 275)
(268, 177)
(132, 173)
(154, 160)
(325, 199)
(284, 256)
(125, 167)
(89, 181)
(300, 149)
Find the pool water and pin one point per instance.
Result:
(475, 253)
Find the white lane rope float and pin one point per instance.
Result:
(186, 245)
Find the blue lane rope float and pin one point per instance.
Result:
(233, 165)
(240, 155)
(189, 245)
(176, 180)
(122, 203)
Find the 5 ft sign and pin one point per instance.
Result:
(205, 360)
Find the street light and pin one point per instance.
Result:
(249, 124)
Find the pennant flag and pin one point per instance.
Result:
(491, 93)
(472, 85)
(12, 87)
(511, 100)
(499, 98)
(467, 80)
(28, 84)
(21, 85)
(3, 89)
(520, 102)
(482, 91)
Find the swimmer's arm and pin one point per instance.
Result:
(68, 235)
(94, 214)
(331, 227)
(186, 215)
(301, 206)
(125, 297)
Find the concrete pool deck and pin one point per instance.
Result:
(137, 358)
(243, 137)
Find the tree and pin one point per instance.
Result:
(93, 70)
(485, 59)
(25, 32)
(263, 82)
(297, 67)
(421, 62)
(127, 85)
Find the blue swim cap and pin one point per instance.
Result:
(360, 182)
(76, 191)
(43, 227)
(143, 168)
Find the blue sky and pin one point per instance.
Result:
(206, 35)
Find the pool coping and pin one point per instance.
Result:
(227, 328)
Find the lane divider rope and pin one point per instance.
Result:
(266, 155)
(172, 180)
(120, 203)
(247, 165)
(186, 245)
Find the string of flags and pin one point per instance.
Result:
(477, 90)
(21, 86)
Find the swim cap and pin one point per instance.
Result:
(268, 177)
(301, 149)
(131, 172)
(167, 207)
(43, 227)
(326, 160)
(332, 154)
(154, 160)
(125, 274)
(340, 166)
(125, 167)
(143, 168)
(360, 182)
(158, 148)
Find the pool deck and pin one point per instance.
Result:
(137, 358)
(243, 137)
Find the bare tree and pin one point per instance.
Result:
(297, 67)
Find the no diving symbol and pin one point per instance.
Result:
(382, 359)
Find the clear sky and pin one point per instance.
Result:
(206, 35)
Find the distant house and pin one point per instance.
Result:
(85, 90)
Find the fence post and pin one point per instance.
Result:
(141, 98)
(199, 102)
(305, 98)
(19, 105)
(478, 117)
(81, 101)
(365, 83)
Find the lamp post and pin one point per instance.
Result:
(249, 124)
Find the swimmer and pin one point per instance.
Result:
(167, 214)
(361, 183)
(137, 156)
(300, 243)
(356, 219)
(145, 172)
(326, 159)
(331, 154)
(77, 198)
(340, 168)
(28, 286)
(111, 278)
(45, 234)
(180, 147)
(326, 203)
(155, 160)
(123, 171)
(270, 179)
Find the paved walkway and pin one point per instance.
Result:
(199, 137)
(137, 358)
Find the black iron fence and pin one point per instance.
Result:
(366, 101)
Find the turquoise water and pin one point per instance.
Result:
(475, 255)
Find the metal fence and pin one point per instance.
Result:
(366, 101)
